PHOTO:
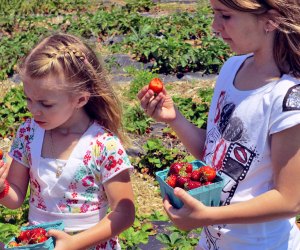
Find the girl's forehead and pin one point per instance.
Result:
(48, 82)
(218, 6)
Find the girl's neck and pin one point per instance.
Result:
(255, 73)
(76, 125)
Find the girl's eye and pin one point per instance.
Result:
(47, 105)
(226, 17)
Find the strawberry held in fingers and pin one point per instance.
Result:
(156, 85)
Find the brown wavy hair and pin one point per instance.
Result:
(67, 55)
(287, 39)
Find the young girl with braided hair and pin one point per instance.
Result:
(71, 150)
(253, 131)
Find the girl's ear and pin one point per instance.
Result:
(82, 99)
(271, 23)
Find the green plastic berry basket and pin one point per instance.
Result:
(47, 245)
(209, 195)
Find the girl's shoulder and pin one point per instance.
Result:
(232, 64)
(27, 126)
(237, 59)
(103, 133)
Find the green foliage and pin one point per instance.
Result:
(17, 7)
(140, 79)
(138, 5)
(196, 112)
(180, 42)
(135, 120)
(7, 231)
(13, 48)
(12, 111)
(137, 234)
(158, 157)
(176, 239)
(12, 220)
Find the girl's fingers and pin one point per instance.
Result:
(142, 92)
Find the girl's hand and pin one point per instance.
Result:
(191, 215)
(160, 107)
(4, 167)
(63, 241)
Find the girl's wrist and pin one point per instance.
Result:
(5, 189)
(176, 121)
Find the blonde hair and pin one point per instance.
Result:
(67, 55)
(287, 39)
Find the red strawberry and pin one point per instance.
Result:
(188, 167)
(181, 180)
(171, 180)
(38, 235)
(207, 173)
(24, 236)
(1, 154)
(192, 184)
(180, 168)
(196, 175)
(175, 168)
(41, 238)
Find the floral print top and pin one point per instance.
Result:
(97, 157)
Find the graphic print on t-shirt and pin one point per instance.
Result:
(227, 149)
(292, 99)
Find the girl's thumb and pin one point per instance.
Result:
(185, 197)
(55, 233)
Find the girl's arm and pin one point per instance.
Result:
(18, 178)
(192, 137)
(121, 199)
(281, 202)
(161, 108)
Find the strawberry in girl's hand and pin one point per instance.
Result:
(181, 181)
(207, 173)
(195, 176)
(32, 236)
(180, 168)
(171, 180)
(192, 184)
(156, 85)
(1, 154)
(175, 168)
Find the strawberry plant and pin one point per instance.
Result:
(140, 79)
(175, 239)
(158, 157)
(138, 5)
(135, 120)
(136, 234)
(13, 111)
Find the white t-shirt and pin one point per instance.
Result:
(240, 124)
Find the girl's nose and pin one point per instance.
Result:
(216, 26)
(34, 110)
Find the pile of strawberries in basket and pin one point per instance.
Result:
(30, 236)
(181, 174)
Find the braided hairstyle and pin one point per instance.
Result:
(68, 56)
(287, 39)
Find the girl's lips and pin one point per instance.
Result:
(39, 122)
